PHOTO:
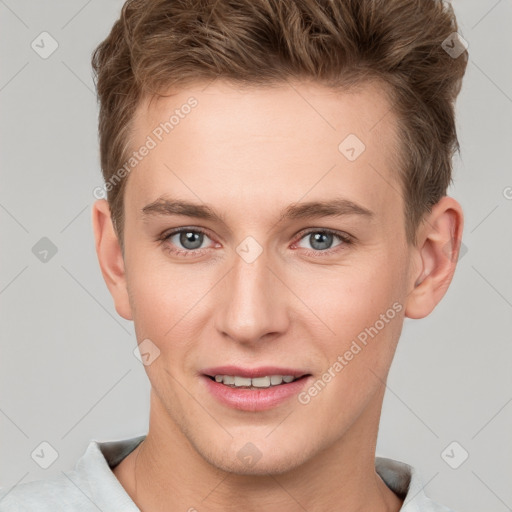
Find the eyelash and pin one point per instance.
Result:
(344, 237)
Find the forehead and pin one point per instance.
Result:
(258, 147)
(283, 110)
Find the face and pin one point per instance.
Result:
(232, 268)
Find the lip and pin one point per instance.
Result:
(254, 400)
(261, 371)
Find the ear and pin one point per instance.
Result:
(110, 257)
(437, 252)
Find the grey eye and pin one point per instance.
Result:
(188, 239)
(320, 240)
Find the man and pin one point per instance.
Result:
(276, 176)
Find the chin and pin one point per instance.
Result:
(264, 467)
(258, 457)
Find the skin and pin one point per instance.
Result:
(249, 154)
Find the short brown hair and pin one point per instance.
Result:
(157, 45)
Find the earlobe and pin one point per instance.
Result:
(110, 257)
(438, 248)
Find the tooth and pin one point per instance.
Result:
(261, 382)
(241, 381)
(258, 382)
(276, 380)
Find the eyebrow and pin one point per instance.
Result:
(337, 207)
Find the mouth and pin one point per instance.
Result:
(266, 381)
(254, 389)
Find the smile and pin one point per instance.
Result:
(253, 390)
(257, 382)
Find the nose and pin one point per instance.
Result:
(253, 302)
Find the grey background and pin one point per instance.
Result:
(67, 369)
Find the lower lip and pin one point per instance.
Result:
(260, 399)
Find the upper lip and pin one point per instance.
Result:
(260, 371)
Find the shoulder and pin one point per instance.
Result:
(406, 481)
(53, 494)
(89, 486)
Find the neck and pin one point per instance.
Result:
(165, 472)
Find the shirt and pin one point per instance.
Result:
(92, 486)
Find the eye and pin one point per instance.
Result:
(321, 241)
(187, 240)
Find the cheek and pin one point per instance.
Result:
(350, 299)
(168, 304)
(361, 315)
(162, 292)
(366, 316)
